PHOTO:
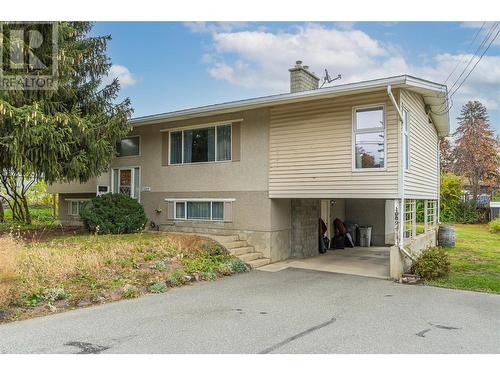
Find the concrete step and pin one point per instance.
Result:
(234, 244)
(241, 250)
(258, 262)
(250, 256)
(223, 239)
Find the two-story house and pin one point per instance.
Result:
(265, 169)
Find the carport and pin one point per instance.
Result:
(361, 261)
(372, 261)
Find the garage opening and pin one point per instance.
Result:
(358, 232)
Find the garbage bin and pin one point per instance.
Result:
(365, 235)
(352, 228)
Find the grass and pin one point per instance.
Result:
(40, 217)
(68, 271)
(475, 260)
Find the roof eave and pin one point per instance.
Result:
(241, 105)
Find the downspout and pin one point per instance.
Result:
(402, 176)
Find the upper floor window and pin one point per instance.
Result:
(200, 145)
(369, 137)
(406, 137)
(128, 146)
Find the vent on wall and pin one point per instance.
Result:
(102, 189)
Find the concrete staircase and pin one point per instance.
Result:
(242, 250)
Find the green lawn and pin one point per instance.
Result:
(475, 260)
(40, 216)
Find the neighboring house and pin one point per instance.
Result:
(267, 168)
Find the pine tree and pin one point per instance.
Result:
(67, 134)
(476, 150)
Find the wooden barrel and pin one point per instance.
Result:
(446, 236)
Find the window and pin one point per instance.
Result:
(128, 146)
(409, 222)
(430, 213)
(369, 138)
(201, 145)
(75, 207)
(199, 210)
(406, 137)
(126, 181)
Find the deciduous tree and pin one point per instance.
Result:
(476, 151)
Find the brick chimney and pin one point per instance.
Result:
(301, 79)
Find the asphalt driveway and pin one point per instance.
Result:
(291, 311)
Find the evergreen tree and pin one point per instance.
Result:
(66, 134)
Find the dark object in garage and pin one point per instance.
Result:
(338, 241)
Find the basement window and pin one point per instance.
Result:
(369, 137)
(199, 210)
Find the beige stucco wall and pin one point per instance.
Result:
(63, 212)
(248, 174)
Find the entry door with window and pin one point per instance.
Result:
(126, 181)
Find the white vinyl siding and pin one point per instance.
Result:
(311, 150)
(421, 180)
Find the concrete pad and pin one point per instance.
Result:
(361, 261)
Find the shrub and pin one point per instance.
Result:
(160, 265)
(467, 213)
(209, 276)
(432, 263)
(54, 294)
(203, 263)
(214, 249)
(451, 190)
(238, 266)
(496, 196)
(177, 277)
(158, 287)
(495, 225)
(130, 292)
(113, 213)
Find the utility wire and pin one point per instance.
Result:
(477, 62)
(453, 90)
(462, 60)
(486, 38)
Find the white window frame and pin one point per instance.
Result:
(211, 200)
(78, 201)
(406, 139)
(205, 126)
(355, 131)
(132, 188)
(140, 148)
(409, 222)
(430, 214)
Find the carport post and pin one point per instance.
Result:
(425, 216)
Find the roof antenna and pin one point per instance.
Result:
(328, 79)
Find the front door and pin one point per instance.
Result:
(126, 182)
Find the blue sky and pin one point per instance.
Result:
(172, 65)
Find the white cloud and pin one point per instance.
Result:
(214, 27)
(125, 77)
(260, 59)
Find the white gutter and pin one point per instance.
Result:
(402, 177)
